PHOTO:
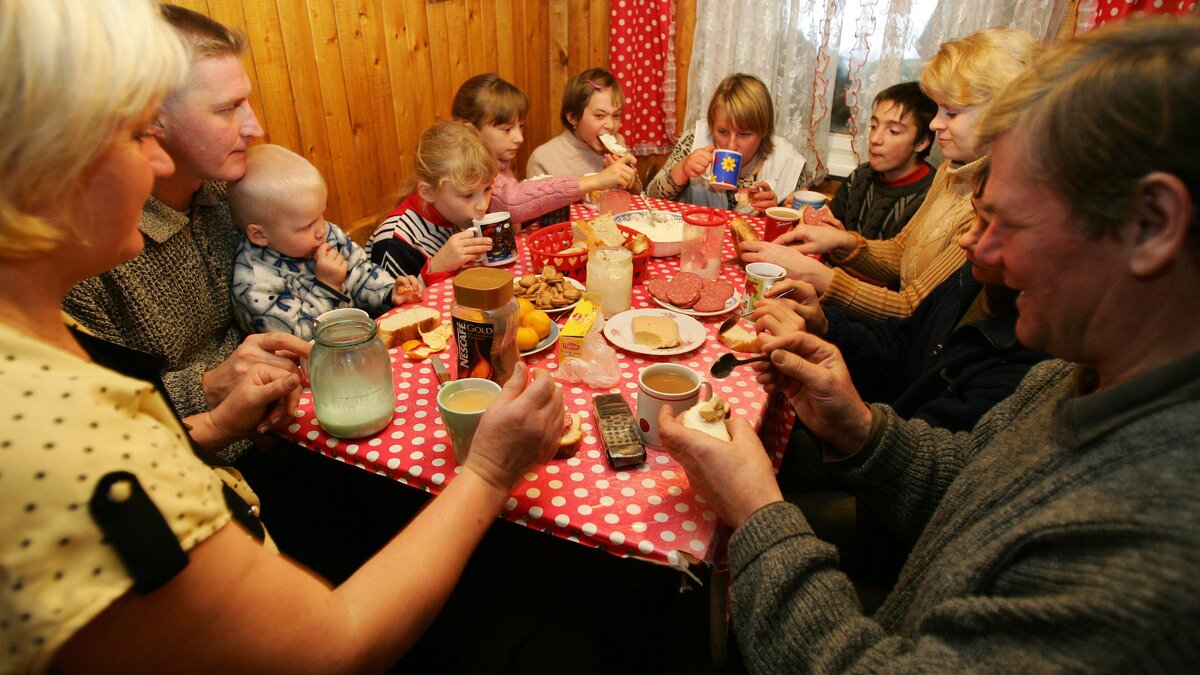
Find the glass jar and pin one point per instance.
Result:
(703, 239)
(610, 275)
(485, 318)
(351, 377)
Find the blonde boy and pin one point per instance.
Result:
(292, 265)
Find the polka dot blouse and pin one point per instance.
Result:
(64, 423)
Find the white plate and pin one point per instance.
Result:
(545, 343)
(560, 310)
(662, 249)
(730, 304)
(619, 331)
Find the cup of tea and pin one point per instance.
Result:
(499, 228)
(461, 404)
(760, 276)
(780, 220)
(803, 198)
(726, 166)
(666, 384)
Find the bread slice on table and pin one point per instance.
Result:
(655, 332)
(739, 339)
(407, 324)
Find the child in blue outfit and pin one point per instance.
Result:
(293, 266)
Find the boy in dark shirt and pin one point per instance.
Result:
(883, 193)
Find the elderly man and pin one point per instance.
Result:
(1062, 532)
(173, 301)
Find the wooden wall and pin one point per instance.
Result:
(350, 84)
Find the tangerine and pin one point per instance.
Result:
(525, 307)
(527, 338)
(538, 321)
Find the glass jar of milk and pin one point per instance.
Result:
(351, 377)
(610, 274)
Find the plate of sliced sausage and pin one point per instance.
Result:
(690, 294)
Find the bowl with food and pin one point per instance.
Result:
(663, 228)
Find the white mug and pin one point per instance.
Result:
(650, 399)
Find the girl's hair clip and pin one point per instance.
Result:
(594, 85)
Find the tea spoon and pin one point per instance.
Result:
(723, 366)
(728, 323)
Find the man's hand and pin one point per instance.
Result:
(818, 239)
(282, 351)
(460, 249)
(813, 376)
(795, 263)
(735, 477)
(519, 430)
(800, 311)
(407, 289)
(331, 266)
(263, 389)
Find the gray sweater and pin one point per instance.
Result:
(1063, 533)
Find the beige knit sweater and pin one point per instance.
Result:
(923, 255)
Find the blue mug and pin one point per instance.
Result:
(726, 166)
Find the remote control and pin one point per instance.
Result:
(618, 429)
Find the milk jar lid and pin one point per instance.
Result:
(483, 287)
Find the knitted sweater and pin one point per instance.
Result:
(172, 301)
(274, 292)
(874, 209)
(564, 155)
(915, 261)
(1060, 535)
(526, 200)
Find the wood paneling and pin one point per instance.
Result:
(350, 84)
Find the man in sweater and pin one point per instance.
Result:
(879, 197)
(172, 301)
(1061, 533)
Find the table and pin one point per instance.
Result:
(648, 512)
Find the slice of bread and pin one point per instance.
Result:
(572, 436)
(655, 332)
(740, 340)
(407, 324)
(709, 417)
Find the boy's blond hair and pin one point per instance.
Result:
(971, 70)
(487, 98)
(1102, 111)
(452, 153)
(745, 101)
(275, 177)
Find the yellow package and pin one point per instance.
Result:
(581, 322)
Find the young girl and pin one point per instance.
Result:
(591, 106)
(741, 117)
(497, 109)
(424, 234)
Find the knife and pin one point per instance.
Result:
(443, 375)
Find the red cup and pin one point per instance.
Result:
(780, 220)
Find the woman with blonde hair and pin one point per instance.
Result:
(878, 279)
(741, 117)
(120, 550)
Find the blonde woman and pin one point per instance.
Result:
(120, 550)
(878, 279)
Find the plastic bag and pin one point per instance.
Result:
(596, 366)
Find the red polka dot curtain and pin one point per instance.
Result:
(642, 59)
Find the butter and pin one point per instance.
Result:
(655, 332)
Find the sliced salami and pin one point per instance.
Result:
(659, 288)
(714, 296)
(685, 290)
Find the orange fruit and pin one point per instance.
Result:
(527, 338)
(539, 321)
(525, 307)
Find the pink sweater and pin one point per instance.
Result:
(526, 200)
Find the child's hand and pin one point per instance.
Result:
(460, 249)
(331, 266)
(694, 165)
(407, 289)
(618, 174)
(762, 197)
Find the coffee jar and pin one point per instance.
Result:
(351, 377)
(485, 318)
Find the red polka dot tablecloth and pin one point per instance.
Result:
(1108, 11)
(648, 511)
(642, 58)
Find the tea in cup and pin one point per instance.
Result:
(760, 276)
(461, 404)
(780, 220)
(666, 384)
(803, 198)
(499, 228)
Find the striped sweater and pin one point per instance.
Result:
(916, 261)
(410, 235)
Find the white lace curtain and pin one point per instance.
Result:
(792, 45)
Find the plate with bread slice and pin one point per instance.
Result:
(655, 332)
